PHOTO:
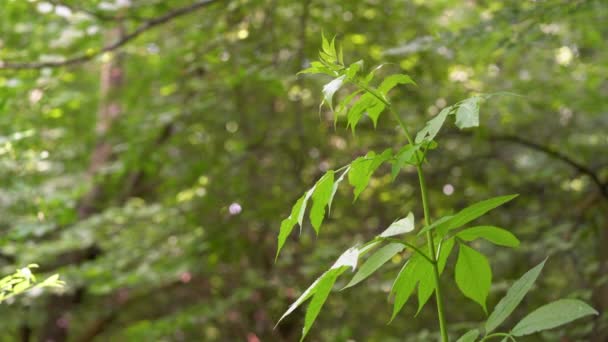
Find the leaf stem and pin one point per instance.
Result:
(498, 335)
(412, 247)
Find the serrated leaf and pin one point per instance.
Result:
(473, 275)
(331, 88)
(374, 262)
(467, 113)
(472, 212)
(495, 235)
(514, 296)
(469, 336)
(321, 197)
(406, 282)
(432, 127)
(402, 226)
(552, 315)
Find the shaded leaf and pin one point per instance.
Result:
(514, 296)
(426, 287)
(469, 336)
(552, 315)
(406, 282)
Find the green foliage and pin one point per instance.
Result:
(421, 271)
(473, 275)
(24, 280)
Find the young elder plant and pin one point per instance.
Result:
(423, 269)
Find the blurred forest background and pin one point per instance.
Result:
(149, 150)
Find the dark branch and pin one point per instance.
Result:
(117, 44)
(584, 169)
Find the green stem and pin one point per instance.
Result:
(429, 234)
(410, 246)
(425, 206)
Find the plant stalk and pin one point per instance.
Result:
(429, 234)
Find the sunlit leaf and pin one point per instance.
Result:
(473, 275)
(321, 197)
(495, 235)
(402, 226)
(467, 113)
(331, 88)
(374, 262)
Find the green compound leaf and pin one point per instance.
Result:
(495, 235)
(552, 315)
(288, 223)
(321, 198)
(473, 275)
(472, 212)
(406, 282)
(513, 297)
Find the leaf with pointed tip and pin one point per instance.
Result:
(473, 275)
(514, 296)
(320, 198)
(432, 127)
(467, 112)
(358, 109)
(317, 68)
(331, 88)
(393, 80)
(374, 262)
(353, 69)
(469, 336)
(347, 259)
(438, 223)
(552, 315)
(472, 212)
(402, 226)
(288, 223)
(374, 111)
(495, 235)
(320, 296)
(406, 282)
